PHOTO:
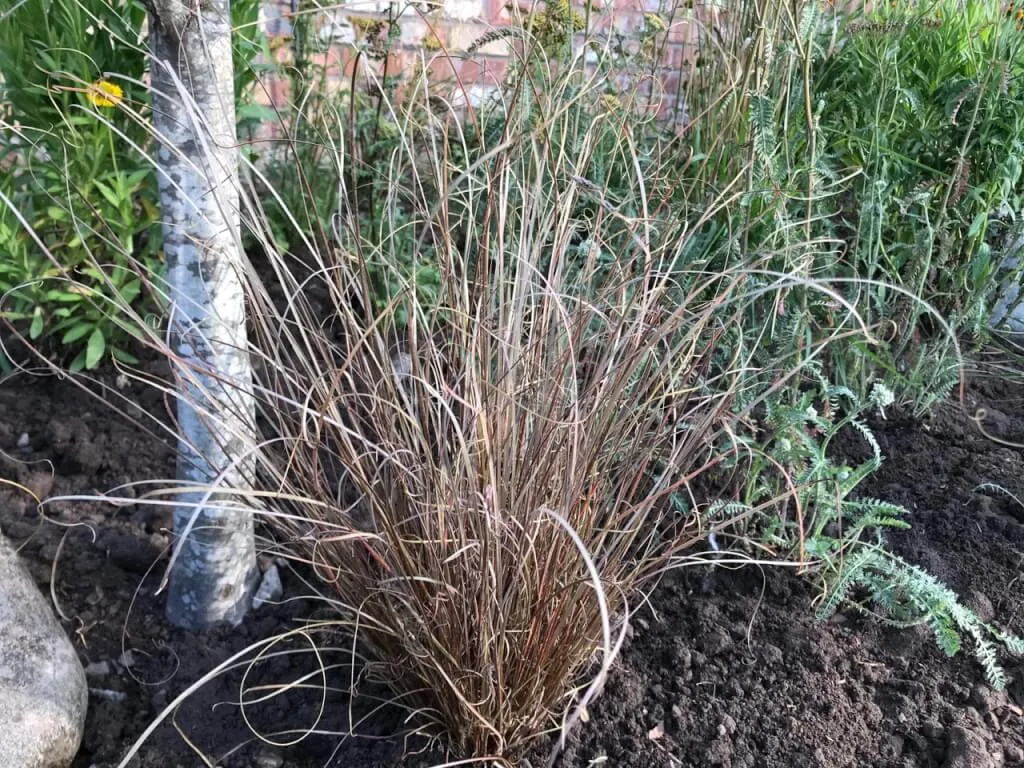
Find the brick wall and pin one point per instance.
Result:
(439, 38)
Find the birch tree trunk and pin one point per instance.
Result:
(214, 572)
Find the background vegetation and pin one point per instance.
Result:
(75, 147)
(515, 361)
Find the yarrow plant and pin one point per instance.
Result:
(813, 513)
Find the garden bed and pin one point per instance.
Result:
(727, 667)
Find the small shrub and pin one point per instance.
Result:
(485, 513)
(483, 509)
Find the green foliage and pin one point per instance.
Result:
(817, 521)
(71, 77)
(75, 142)
(807, 510)
(42, 299)
(72, 80)
(554, 26)
(780, 139)
(903, 594)
(250, 49)
(926, 101)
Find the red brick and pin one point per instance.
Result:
(331, 58)
(278, 92)
(683, 30)
(496, 13)
(489, 67)
(709, 14)
(443, 67)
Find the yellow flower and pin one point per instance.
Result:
(104, 93)
(654, 22)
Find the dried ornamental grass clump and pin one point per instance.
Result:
(483, 514)
(483, 507)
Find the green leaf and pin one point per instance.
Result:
(255, 112)
(133, 179)
(36, 329)
(94, 273)
(130, 291)
(78, 364)
(65, 296)
(977, 225)
(79, 331)
(108, 193)
(95, 348)
(123, 356)
(981, 265)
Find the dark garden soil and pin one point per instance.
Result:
(728, 667)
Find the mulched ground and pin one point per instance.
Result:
(729, 668)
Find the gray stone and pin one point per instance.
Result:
(43, 694)
(270, 589)
(727, 726)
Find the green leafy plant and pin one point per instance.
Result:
(902, 594)
(805, 507)
(66, 138)
(330, 176)
(925, 101)
(74, 138)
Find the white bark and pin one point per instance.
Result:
(213, 576)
